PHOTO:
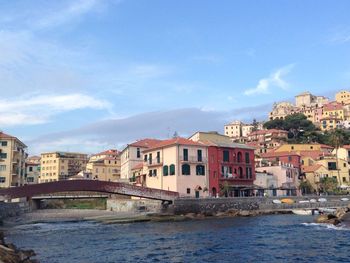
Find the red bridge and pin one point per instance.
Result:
(87, 185)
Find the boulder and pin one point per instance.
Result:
(327, 219)
(340, 212)
(346, 217)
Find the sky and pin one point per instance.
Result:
(89, 75)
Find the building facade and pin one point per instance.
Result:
(56, 166)
(132, 155)
(12, 161)
(179, 165)
(32, 170)
(105, 166)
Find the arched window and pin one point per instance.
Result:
(240, 172)
(172, 169)
(200, 170)
(186, 170)
(165, 170)
(247, 159)
(239, 157)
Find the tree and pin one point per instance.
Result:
(337, 141)
(328, 184)
(255, 125)
(305, 187)
(224, 189)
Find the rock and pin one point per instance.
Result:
(321, 219)
(340, 212)
(190, 215)
(327, 219)
(244, 213)
(345, 217)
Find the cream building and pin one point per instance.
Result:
(12, 161)
(306, 99)
(105, 166)
(343, 97)
(32, 170)
(179, 165)
(132, 155)
(282, 110)
(237, 129)
(56, 166)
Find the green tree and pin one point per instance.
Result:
(305, 187)
(224, 189)
(328, 184)
(255, 125)
(337, 139)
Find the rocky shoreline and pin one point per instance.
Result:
(9, 253)
(340, 217)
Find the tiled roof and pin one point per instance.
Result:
(346, 147)
(137, 166)
(145, 143)
(332, 106)
(311, 168)
(278, 154)
(108, 152)
(263, 132)
(313, 154)
(228, 145)
(7, 136)
(175, 141)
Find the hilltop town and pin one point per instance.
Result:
(302, 148)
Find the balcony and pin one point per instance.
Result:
(154, 162)
(193, 159)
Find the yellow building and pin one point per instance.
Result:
(314, 174)
(343, 97)
(304, 147)
(105, 166)
(12, 161)
(56, 166)
(340, 171)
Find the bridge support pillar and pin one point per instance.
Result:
(33, 204)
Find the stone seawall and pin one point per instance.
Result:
(13, 209)
(137, 205)
(215, 205)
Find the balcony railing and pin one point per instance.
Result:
(193, 159)
(154, 162)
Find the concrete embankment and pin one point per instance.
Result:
(253, 204)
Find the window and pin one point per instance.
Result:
(30, 179)
(150, 173)
(4, 143)
(188, 190)
(332, 166)
(155, 172)
(239, 157)
(199, 155)
(165, 170)
(185, 152)
(247, 159)
(30, 168)
(3, 155)
(158, 157)
(145, 158)
(344, 164)
(186, 170)
(292, 147)
(2, 168)
(200, 170)
(150, 159)
(138, 153)
(289, 158)
(344, 179)
(240, 172)
(2, 179)
(172, 169)
(226, 156)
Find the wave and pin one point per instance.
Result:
(327, 226)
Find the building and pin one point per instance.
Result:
(132, 155)
(12, 161)
(266, 140)
(238, 129)
(32, 170)
(292, 158)
(343, 97)
(267, 183)
(56, 166)
(282, 110)
(306, 99)
(105, 166)
(304, 147)
(287, 177)
(179, 165)
(231, 165)
(314, 174)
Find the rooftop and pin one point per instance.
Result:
(175, 141)
(145, 143)
(10, 137)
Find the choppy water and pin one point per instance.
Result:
(276, 238)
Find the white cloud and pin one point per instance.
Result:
(39, 109)
(340, 36)
(274, 80)
(74, 10)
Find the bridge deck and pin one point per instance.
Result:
(87, 185)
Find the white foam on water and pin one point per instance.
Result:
(326, 226)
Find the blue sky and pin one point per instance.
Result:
(87, 75)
